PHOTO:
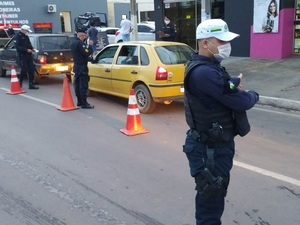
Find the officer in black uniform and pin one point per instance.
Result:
(81, 52)
(168, 31)
(215, 110)
(10, 31)
(25, 59)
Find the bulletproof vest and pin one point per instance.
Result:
(200, 118)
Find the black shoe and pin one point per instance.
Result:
(79, 104)
(33, 87)
(87, 106)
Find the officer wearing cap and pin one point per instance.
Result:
(167, 31)
(212, 102)
(81, 52)
(25, 59)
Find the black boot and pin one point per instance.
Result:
(32, 86)
(79, 103)
(86, 105)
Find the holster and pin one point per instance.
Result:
(210, 186)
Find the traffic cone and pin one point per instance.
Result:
(67, 99)
(133, 124)
(15, 87)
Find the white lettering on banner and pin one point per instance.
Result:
(10, 14)
(11, 3)
(23, 22)
(10, 10)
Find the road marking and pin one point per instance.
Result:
(35, 99)
(277, 112)
(267, 173)
(236, 163)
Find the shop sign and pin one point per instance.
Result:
(43, 27)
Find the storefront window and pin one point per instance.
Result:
(297, 28)
(186, 15)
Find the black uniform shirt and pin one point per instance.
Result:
(22, 43)
(207, 84)
(170, 30)
(80, 52)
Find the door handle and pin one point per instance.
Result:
(107, 70)
(134, 72)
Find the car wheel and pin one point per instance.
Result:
(144, 99)
(2, 72)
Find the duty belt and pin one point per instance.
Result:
(204, 138)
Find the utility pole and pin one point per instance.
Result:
(205, 10)
(134, 19)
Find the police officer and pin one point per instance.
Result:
(81, 52)
(168, 31)
(25, 51)
(212, 98)
(10, 31)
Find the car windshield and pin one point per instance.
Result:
(174, 54)
(83, 21)
(54, 42)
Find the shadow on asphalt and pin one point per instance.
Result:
(44, 80)
(174, 107)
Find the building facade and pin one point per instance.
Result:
(241, 16)
(59, 14)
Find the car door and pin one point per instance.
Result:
(111, 34)
(126, 69)
(8, 55)
(145, 33)
(100, 70)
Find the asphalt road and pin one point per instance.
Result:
(76, 167)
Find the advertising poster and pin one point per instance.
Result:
(266, 16)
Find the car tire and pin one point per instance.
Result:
(2, 72)
(144, 99)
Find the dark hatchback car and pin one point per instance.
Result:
(53, 55)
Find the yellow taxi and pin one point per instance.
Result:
(154, 69)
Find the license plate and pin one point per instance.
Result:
(62, 68)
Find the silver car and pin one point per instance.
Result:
(146, 32)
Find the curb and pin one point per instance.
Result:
(279, 103)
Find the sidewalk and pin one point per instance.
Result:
(277, 81)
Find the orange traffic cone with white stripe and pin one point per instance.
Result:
(67, 103)
(15, 87)
(133, 124)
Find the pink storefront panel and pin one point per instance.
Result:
(275, 45)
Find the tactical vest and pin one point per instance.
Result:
(200, 118)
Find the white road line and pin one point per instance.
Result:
(236, 163)
(277, 112)
(35, 99)
(267, 173)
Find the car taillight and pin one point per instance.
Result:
(117, 33)
(161, 73)
(42, 59)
